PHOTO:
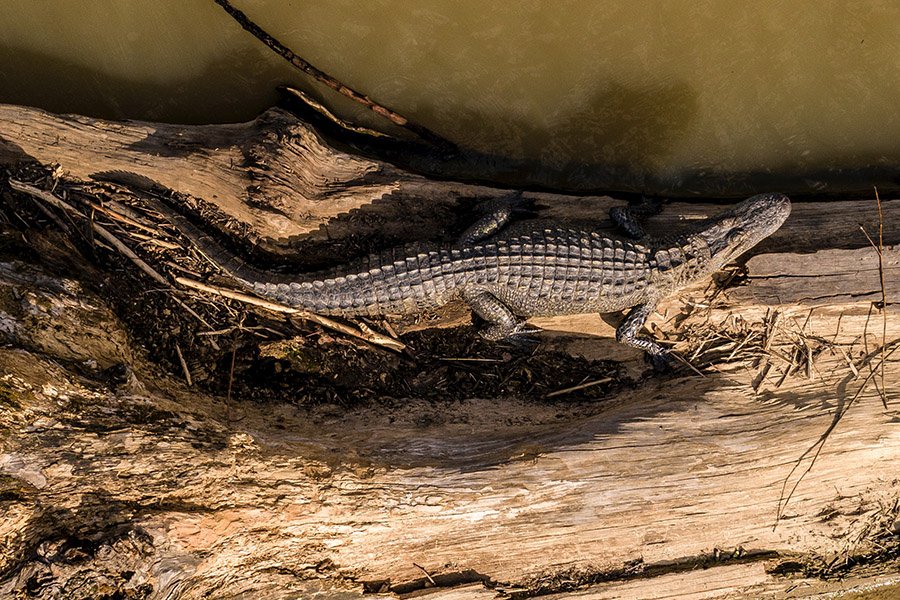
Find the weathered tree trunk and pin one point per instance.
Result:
(117, 478)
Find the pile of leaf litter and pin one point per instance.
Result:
(126, 252)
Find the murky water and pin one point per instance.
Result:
(684, 97)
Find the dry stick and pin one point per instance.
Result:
(127, 211)
(427, 574)
(178, 267)
(820, 443)
(850, 364)
(687, 363)
(323, 110)
(770, 329)
(879, 249)
(231, 370)
(370, 336)
(580, 386)
(328, 80)
(98, 229)
(51, 199)
(761, 376)
(389, 329)
(115, 215)
(883, 292)
(184, 367)
(155, 241)
(743, 343)
(49, 213)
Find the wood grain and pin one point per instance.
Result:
(144, 486)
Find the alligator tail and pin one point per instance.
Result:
(225, 260)
(229, 263)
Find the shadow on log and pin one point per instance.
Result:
(298, 462)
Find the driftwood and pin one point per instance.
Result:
(118, 478)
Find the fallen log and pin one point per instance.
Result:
(116, 477)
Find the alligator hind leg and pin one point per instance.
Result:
(627, 334)
(499, 212)
(503, 323)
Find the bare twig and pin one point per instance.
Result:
(771, 321)
(182, 268)
(427, 574)
(850, 364)
(326, 79)
(742, 343)
(581, 386)
(837, 328)
(53, 200)
(323, 110)
(98, 229)
(687, 363)
(184, 367)
(47, 212)
(792, 363)
(879, 249)
(115, 215)
(368, 335)
(154, 241)
(809, 357)
(241, 297)
(761, 376)
(388, 328)
(231, 369)
(818, 445)
(883, 292)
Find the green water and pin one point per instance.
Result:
(684, 95)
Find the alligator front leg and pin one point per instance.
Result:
(502, 322)
(627, 333)
(629, 218)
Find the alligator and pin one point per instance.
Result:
(507, 274)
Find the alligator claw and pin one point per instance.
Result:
(662, 362)
(523, 339)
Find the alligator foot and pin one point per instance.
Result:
(662, 362)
